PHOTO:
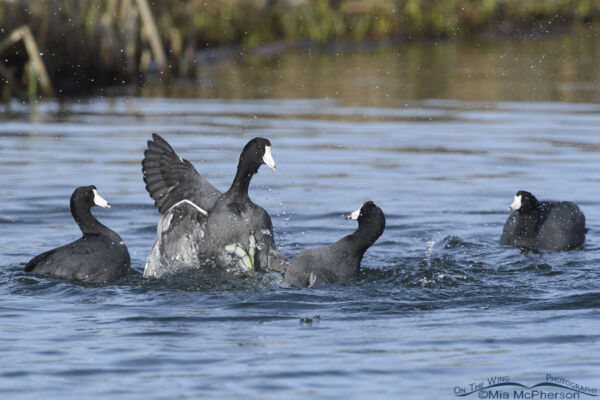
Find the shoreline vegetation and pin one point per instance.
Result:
(71, 47)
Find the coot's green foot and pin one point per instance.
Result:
(246, 259)
(252, 247)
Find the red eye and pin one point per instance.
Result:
(259, 146)
(525, 198)
(87, 194)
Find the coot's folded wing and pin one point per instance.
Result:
(35, 261)
(170, 179)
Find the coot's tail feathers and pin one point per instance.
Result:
(170, 179)
(36, 260)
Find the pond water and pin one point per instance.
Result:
(439, 135)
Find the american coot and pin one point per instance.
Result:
(338, 262)
(100, 256)
(199, 223)
(543, 225)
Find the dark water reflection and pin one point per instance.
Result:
(450, 134)
(554, 68)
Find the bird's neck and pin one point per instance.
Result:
(88, 224)
(242, 179)
(365, 235)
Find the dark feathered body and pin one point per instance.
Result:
(93, 258)
(545, 225)
(99, 256)
(340, 261)
(232, 220)
(329, 264)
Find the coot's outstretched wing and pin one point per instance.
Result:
(170, 179)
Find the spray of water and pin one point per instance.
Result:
(430, 244)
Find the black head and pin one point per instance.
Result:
(89, 196)
(367, 213)
(524, 201)
(257, 152)
(371, 223)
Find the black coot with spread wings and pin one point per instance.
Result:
(200, 223)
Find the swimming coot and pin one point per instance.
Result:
(537, 224)
(338, 262)
(99, 256)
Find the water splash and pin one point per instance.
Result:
(429, 251)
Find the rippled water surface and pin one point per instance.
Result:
(439, 303)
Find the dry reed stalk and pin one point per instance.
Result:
(152, 34)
